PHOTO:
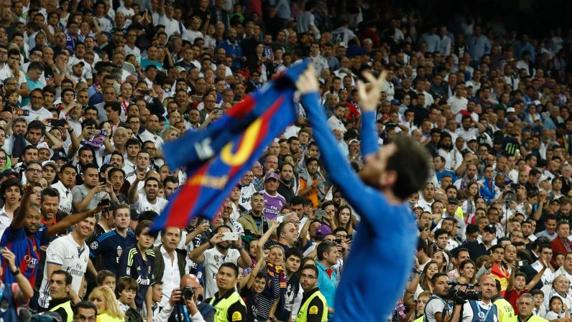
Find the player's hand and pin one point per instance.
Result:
(370, 92)
(308, 83)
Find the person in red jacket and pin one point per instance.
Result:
(561, 244)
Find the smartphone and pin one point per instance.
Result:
(230, 236)
(21, 112)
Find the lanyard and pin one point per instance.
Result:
(481, 315)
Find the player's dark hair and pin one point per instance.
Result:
(411, 163)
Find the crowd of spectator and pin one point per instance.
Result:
(90, 90)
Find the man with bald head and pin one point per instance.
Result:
(482, 310)
(186, 303)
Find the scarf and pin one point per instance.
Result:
(277, 271)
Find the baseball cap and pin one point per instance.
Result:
(510, 110)
(323, 231)
(49, 163)
(271, 175)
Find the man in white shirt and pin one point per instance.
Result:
(566, 269)
(544, 258)
(149, 200)
(224, 251)
(458, 102)
(66, 182)
(483, 308)
(36, 111)
(169, 262)
(69, 253)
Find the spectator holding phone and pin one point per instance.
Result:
(223, 247)
(91, 192)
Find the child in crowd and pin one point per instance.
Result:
(557, 310)
(106, 278)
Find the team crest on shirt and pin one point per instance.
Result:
(236, 316)
(94, 245)
(313, 310)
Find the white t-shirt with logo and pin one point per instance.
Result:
(72, 258)
(213, 260)
(143, 204)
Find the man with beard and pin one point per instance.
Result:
(453, 158)
(91, 192)
(313, 185)
(69, 253)
(389, 176)
(224, 251)
(288, 183)
(149, 200)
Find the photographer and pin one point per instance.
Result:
(482, 310)
(186, 304)
(437, 309)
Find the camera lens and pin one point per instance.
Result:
(188, 293)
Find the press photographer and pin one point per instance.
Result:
(186, 304)
(439, 308)
(482, 310)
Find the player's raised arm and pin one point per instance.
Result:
(341, 173)
(368, 98)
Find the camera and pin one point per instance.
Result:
(460, 293)
(187, 294)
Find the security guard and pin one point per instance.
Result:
(504, 308)
(525, 306)
(60, 286)
(314, 307)
(229, 306)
